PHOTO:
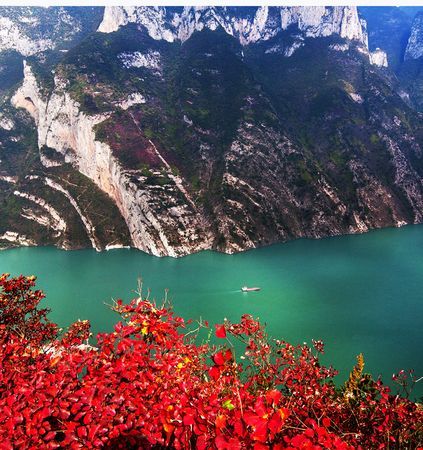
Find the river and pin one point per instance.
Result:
(360, 293)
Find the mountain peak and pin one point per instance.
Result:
(249, 25)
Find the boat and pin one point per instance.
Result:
(249, 289)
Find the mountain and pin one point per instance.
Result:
(398, 32)
(411, 72)
(389, 28)
(180, 129)
(248, 25)
(414, 48)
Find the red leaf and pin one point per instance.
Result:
(326, 422)
(49, 436)
(234, 444)
(259, 407)
(273, 396)
(284, 413)
(250, 418)
(228, 355)
(81, 432)
(220, 331)
(189, 420)
(239, 428)
(220, 421)
(275, 423)
(219, 359)
(260, 431)
(214, 372)
(201, 443)
(259, 446)
(309, 432)
(220, 442)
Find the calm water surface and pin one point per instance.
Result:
(357, 293)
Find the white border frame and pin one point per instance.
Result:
(208, 2)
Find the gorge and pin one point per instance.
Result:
(175, 130)
(205, 149)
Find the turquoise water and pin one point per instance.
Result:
(357, 293)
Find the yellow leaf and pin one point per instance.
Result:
(228, 405)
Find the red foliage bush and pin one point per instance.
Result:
(149, 385)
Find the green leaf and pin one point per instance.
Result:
(228, 405)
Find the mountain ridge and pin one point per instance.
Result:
(262, 23)
(210, 142)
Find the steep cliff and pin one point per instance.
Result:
(388, 28)
(30, 30)
(63, 127)
(254, 25)
(50, 203)
(392, 29)
(411, 73)
(223, 128)
(414, 48)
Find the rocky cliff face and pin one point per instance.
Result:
(392, 29)
(379, 58)
(63, 127)
(223, 128)
(414, 48)
(31, 31)
(258, 24)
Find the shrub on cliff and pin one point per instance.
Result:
(150, 385)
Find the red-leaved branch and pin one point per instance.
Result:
(148, 384)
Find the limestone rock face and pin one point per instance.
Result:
(62, 126)
(32, 30)
(261, 24)
(379, 58)
(13, 37)
(414, 48)
(317, 21)
(115, 17)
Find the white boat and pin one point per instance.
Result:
(249, 289)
